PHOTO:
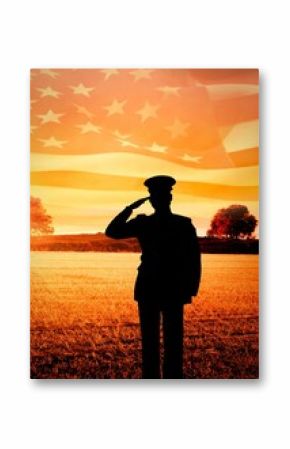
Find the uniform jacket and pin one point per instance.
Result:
(170, 267)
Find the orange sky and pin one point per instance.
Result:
(98, 133)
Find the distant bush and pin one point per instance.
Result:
(233, 222)
(40, 221)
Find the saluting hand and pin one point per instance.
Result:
(138, 203)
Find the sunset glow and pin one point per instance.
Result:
(96, 134)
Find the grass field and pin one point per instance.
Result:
(84, 322)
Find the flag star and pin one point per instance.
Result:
(157, 148)
(187, 157)
(50, 73)
(48, 92)
(50, 116)
(121, 136)
(32, 102)
(116, 107)
(127, 143)
(148, 111)
(83, 110)
(168, 90)
(178, 128)
(52, 142)
(33, 128)
(82, 90)
(109, 72)
(89, 128)
(141, 74)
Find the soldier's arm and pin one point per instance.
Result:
(120, 227)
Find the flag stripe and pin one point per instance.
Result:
(223, 91)
(241, 136)
(245, 158)
(123, 163)
(91, 181)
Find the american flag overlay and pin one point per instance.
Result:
(96, 134)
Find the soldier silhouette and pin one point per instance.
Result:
(168, 276)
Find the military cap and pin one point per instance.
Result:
(160, 183)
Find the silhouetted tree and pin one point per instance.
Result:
(233, 222)
(40, 221)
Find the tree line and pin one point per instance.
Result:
(233, 222)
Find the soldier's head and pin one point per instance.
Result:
(160, 191)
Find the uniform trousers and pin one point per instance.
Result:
(151, 314)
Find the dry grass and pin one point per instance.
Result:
(84, 322)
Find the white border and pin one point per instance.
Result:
(202, 414)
